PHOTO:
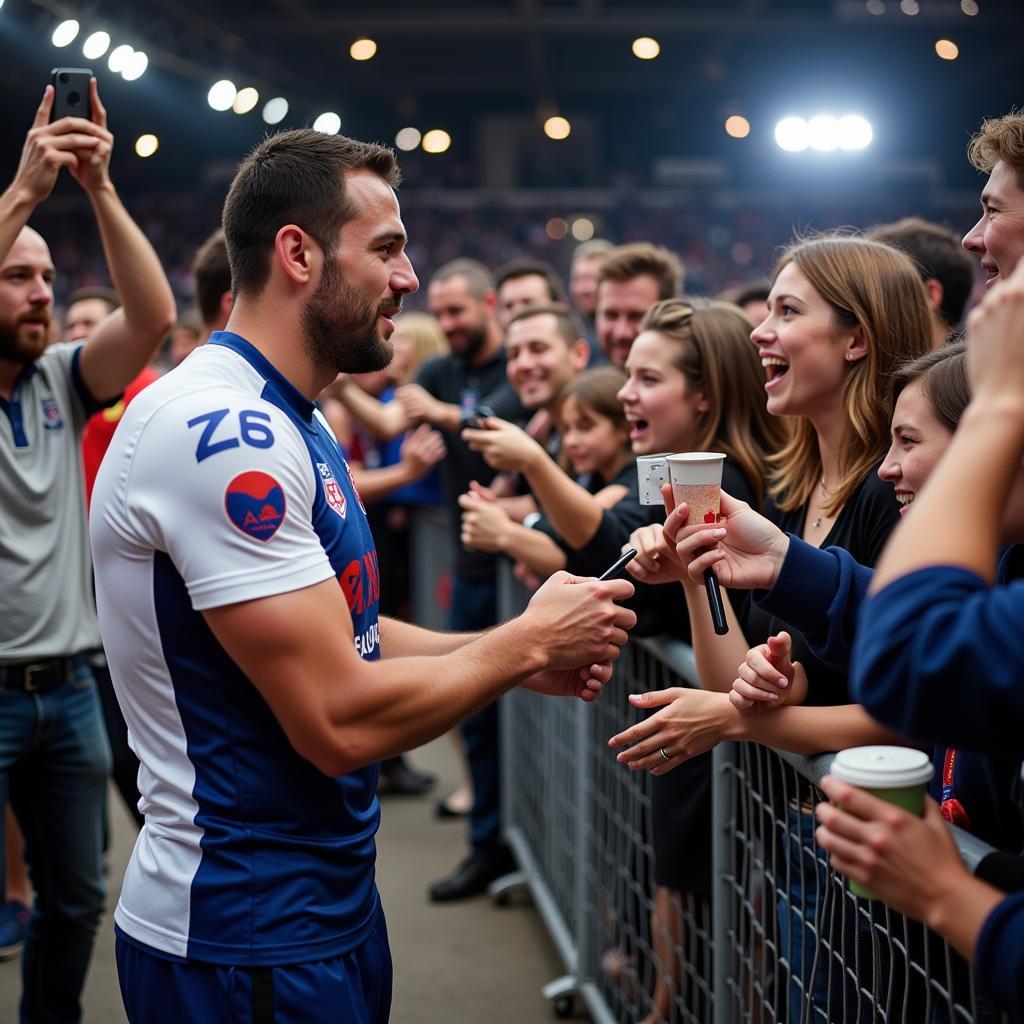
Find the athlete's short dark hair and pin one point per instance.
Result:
(294, 177)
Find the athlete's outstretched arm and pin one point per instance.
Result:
(341, 711)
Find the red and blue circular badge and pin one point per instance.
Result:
(254, 502)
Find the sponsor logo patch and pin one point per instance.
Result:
(254, 502)
(332, 492)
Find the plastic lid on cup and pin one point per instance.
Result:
(880, 767)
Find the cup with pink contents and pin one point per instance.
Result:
(899, 775)
(696, 478)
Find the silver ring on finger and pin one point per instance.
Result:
(655, 557)
(664, 753)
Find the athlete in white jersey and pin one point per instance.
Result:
(238, 589)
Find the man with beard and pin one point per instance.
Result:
(54, 757)
(238, 594)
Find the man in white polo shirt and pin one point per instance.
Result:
(54, 757)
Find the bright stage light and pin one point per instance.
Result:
(146, 145)
(791, 134)
(135, 66)
(275, 110)
(947, 49)
(407, 139)
(736, 126)
(363, 49)
(328, 123)
(245, 100)
(557, 128)
(855, 132)
(64, 34)
(222, 94)
(437, 140)
(823, 133)
(96, 45)
(583, 229)
(118, 59)
(646, 48)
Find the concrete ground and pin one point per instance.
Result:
(460, 962)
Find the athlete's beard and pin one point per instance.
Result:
(342, 329)
(14, 347)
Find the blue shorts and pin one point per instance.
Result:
(354, 987)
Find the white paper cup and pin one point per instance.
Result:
(899, 775)
(696, 478)
(651, 473)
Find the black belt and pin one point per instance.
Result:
(35, 676)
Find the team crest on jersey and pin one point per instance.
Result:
(254, 502)
(332, 492)
(51, 415)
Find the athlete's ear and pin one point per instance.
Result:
(297, 254)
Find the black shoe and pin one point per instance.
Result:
(444, 810)
(401, 780)
(473, 875)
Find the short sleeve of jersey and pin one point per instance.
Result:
(225, 486)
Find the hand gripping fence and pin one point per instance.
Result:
(781, 938)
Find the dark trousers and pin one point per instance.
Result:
(474, 607)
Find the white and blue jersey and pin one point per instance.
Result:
(223, 484)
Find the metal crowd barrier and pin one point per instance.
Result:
(783, 938)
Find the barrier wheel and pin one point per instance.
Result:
(564, 1006)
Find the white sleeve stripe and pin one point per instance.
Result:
(250, 586)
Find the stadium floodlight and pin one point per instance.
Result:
(363, 49)
(646, 48)
(823, 133)
(118, 59)
(855, 132)
(329, 123)
(582, 229)
(275, 110)
(135, 66)
(96, 45)
(792, 134)
(557, 128)
(146, 145)
(222, 94)
(437, 140)
(65, 33)
(245, 100)
(407, 139)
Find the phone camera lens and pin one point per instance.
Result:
(63, 79)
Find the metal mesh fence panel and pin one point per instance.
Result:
(781, 939)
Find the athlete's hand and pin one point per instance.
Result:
(578, 622)
(585, 683)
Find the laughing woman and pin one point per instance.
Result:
(843, 313)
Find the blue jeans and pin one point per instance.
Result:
(54, 765)
(474, 607)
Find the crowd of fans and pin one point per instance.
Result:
(868, 544)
